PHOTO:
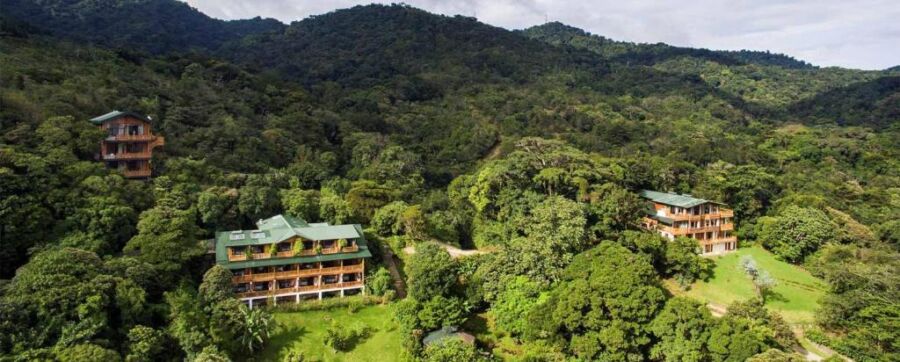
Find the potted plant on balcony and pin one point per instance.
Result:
(273, 250)
(248, 253)
(298, 247)
(342, 243)
(318, 248)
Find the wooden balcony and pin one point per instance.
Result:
(301, 289)
(296, 273)
(131, 138)
(136, 173)
(687, 231)
(701, 217)
(291, 253)
(717, 240)
(127, 156)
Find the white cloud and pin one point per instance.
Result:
(859, 34)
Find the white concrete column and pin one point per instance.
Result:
(251, 303)
(320, 295)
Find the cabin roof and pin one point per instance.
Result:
(118, 114)
(672, 199)
(445, 333)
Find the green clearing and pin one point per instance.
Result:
(486, 336)
(305, 332)
(796, 296)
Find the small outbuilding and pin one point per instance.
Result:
(447, 332)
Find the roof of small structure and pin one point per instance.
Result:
(118, 114)
(447, 332)
(668, 198)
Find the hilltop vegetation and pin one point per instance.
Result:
(532, 143)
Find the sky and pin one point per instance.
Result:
(863, 34)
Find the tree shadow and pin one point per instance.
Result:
(773, 296)
(286, 335)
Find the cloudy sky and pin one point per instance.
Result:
(857, 34)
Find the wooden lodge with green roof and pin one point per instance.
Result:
(287, 260)
(708, 222)
(129, 143)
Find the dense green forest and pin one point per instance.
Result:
(528, 144)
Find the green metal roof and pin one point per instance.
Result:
(662, 219)
(667, 198)
(282, 227)
(118, 114)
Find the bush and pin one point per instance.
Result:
(379, 282)
(341, 338)
(324, 304)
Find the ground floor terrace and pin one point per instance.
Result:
(718, 246)
(302, 293)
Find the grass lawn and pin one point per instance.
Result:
(305, 332)
(795, 297)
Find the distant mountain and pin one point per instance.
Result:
(365, 44)
(648, 54)
(408, 54)
(154, 26)
(875, 103)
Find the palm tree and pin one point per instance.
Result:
(258, 327)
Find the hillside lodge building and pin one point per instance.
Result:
(288, 260)
(708, 222)
(129, 143)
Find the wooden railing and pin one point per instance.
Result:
(136, 173)
(291, 253)
(709, 216)
(127, 156)
(297, 273)
(717, 240)
(131, 137)
(306, 288)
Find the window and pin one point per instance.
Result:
(236, 235)
(258, 235)
(708, 248)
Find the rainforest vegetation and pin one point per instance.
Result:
(430, 130)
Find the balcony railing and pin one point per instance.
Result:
(710, 216)
(717, 240)
(130, 137)
(300, 289)
(136, 173)
(291, 253)
(127, 156)
(262, 277)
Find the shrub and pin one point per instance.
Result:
(379, 282)
(341, 338)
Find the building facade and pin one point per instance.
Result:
(708, 222)
(287, 260)
(129, 143)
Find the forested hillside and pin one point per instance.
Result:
(531, 144)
